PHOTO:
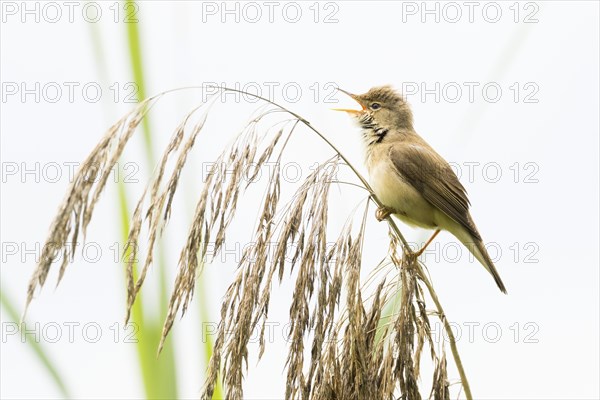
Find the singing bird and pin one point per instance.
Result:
(412, 181)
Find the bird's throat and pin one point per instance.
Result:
(372, 133)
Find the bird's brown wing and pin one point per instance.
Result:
(433, 177)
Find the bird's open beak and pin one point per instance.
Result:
(349, 110)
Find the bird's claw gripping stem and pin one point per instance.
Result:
(383, 212)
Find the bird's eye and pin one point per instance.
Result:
(375, 106)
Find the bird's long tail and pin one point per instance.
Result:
(477, 248)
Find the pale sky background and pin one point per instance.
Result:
(540, 133)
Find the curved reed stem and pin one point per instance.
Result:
(406, 248)
(451, 338)
(76, 213)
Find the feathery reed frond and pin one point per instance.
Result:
(76, 210)
(157, 204)
(340, 345)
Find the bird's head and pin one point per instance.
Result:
(381, 106)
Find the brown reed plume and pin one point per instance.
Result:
(340, 345)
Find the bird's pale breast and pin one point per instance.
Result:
(394, 192)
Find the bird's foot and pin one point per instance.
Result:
(383, 212)
(418, 253)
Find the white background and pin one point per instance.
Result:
(552, 213)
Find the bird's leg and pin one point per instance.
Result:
(383, 212)
(418, 253)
